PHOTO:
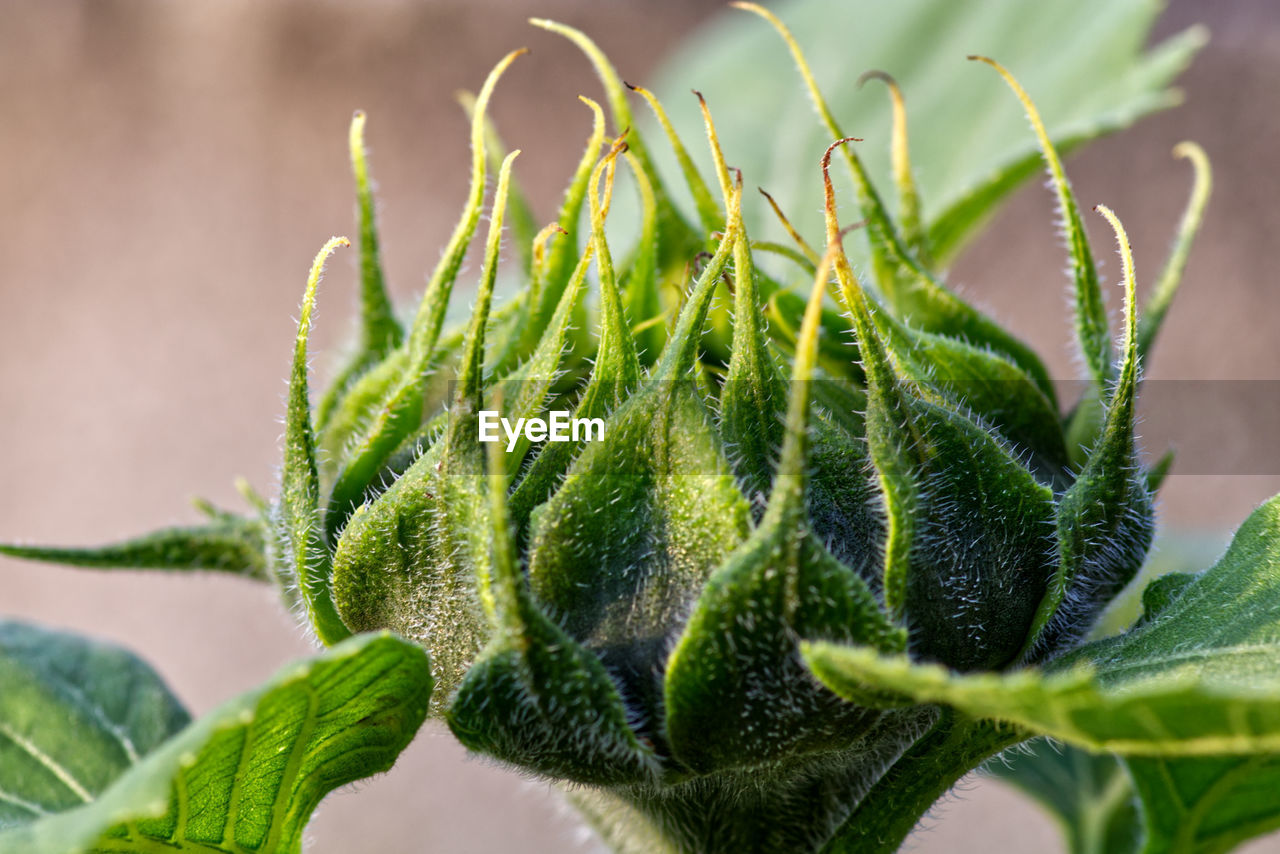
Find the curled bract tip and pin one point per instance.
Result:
(543, 237)
(877, 74)
(1190, 150)
(826, 167)
(826, 156)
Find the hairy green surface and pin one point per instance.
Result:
(1196, 678)
(227, 543)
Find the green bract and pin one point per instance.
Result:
(877, 487)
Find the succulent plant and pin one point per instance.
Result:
(754, 610)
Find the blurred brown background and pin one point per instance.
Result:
(167, 171)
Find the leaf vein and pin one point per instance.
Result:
(64, 776)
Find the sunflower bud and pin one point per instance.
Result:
(621, 607)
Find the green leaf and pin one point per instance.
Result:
(351, 417)
(1198, 678)
(888, 255)
(1206, 806)
(758, 809)
(247, 776)
(939, 757)
(1201, 805)
(463, 561)
(520, 217)
(643, 290)
(903, 177)
(523, 392)
(1101, 76)
(708, 211)
(1090, 795)
(301, 524)
(1156, 473)
(231, 544)
(676, 242)
(74, 715)
(380, 331)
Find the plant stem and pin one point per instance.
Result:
(954, 747)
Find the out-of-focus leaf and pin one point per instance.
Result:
(1084, 61)
(1089, 794)
(74, 715)
(1206, 806)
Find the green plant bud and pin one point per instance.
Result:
(767, 487)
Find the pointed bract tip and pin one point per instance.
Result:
(322, 257)
(1130, 286)
(309, 295)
